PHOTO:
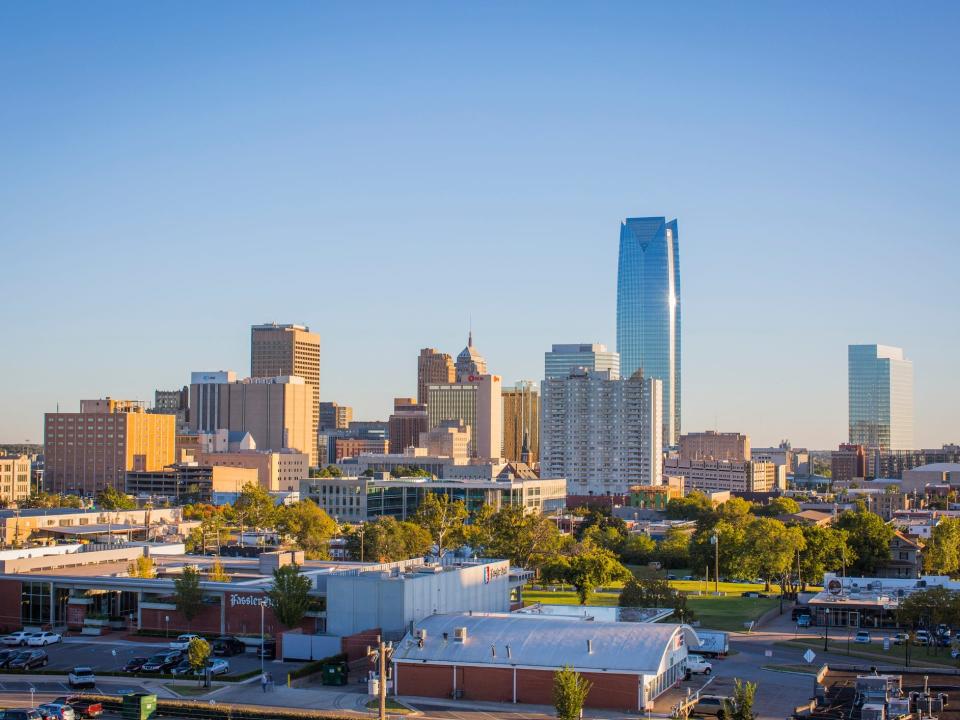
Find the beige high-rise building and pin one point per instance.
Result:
(433, 368)
(478, 404)
(279, 350)
(87, 451)
(450, 438)
(521, 422)
(712, 445)
(14, 477)
(334, 416)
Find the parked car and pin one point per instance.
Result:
(689, 577)
(183, 641)
(134, 665)
(901, 638)
(798, 611)
(862, 637)
(82, 676)
(228, 645)
(942, 641)
(268, 650)
(162, 662)
(697, 665)
(44, 638)
(57, 711)
(182, 668)
(753, 594)
(29, 659)
(18, 638)
(803, 621)
(712, 705)
(83, 707)
(671, 576)
(943, 630)
(921, 637)
(6, 656)
(20, 714)
(218, 666)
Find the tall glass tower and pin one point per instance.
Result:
(881, 397)
(648, 310)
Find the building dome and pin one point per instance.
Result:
(470, 361)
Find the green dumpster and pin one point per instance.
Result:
(139, 706)
(335, 673)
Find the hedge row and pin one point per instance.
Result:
(150, 676)
(316, 666)
(205, 710)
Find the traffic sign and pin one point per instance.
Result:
(809, 655)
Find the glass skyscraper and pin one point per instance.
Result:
(881, 397)
(648, 310)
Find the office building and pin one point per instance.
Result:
(719, 475)
(173, 402)
(283, 350)
(561, 359)
(277, 412)
(848, 462)
(880, 397)
(334, 416)
(521, 422)
(351, 447)
(189, 482)
(470, 363)
(14, 477)
(87, 451)
(601, 434)
(648, 310)
(205, 398)
(279, 471)
(433, 368)
(451, 438)
(895, 463)
(408, 421)
(711, 445)
(477, 403)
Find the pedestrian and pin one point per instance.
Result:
(263, 681)
(270, 681)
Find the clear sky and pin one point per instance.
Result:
(172, 172)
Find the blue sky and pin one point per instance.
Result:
(172, 173)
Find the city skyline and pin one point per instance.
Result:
(448, 147)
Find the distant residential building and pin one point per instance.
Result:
(736, 477)
(712, 445)
(450, 438)
(848, 462)
(334, 416)
(87, 451)
(880, 397)
(361, 499)
(277, 412)
(818, 518)
(648, 310)
(408, 421)
(561, 359)
(433, 368)
(354, 447)
(289, 350)
(905, 558)
(521, 422)
(276, 471)
(602, 434)
(887, 504)
(188, 482)
(15, 473)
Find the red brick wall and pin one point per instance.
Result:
(207, 621)
(76, 614)
(535, 687)
(10, 596)
(355, 646)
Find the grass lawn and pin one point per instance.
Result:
(729, 613)
(392, 706)
(186, 690)
(919, 655)
(567, 598)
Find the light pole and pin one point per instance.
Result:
(715, 541)
(826, 627)
(263, 650)
(166, 620)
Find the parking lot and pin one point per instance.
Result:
(105, 656)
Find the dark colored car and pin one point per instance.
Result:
(268, 650)
(134, 665)
(20, 714)
(715, 705)
(6, 656)
(83, 707)
(29, 659)
(228, 645)
(162, 662)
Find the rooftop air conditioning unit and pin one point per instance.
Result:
(460, 634)
(421, 633)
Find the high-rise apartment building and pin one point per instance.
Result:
(561, 359)
(87, 451)
(521, 422)
(602, 434)
(277, 412)
(880, 397)
(279, 350)
(408, 420)
(14, 477)
(712, 445)
(648, 309)
(433, 368)
(334, 416)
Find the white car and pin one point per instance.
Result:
(44, 638)
(18, 638)
(697, 665)
(183, 641)
(218, 666)
(82, 677)
(862, 637)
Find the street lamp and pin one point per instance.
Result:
(166, 620)
(826, 627)
(715, 541)
(262, 648)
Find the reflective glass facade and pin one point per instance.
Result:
(880, 397)
(648, 309)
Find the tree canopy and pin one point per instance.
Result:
(869, 537)
(289, 594)
(112, 499)
(309, 526)
(187, 593)
(444, 519)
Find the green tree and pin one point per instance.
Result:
(142, 567)
(218, 573)
(674, 549)
(692, 506)
(309, 526)
(254, 507)
(290, 595)
(387, 539)
(444, 519)
(941, 556)
(639, 549)
(869, 537)
(930, 607)
(770, 549)
(589, 566)
(112, 499)
(570, 690)
(730, 547)
(526, 539)
(825, 549)
(187, 593)
(198, 652)
(781, 505)
(741, 707)
(656, 593)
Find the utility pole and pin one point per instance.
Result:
(715, 541)
(382, 655)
